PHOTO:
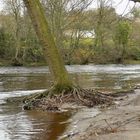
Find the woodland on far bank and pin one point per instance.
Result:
(83, 35)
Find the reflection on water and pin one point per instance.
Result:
(102, 76)
(10, 82)
(50, 124)
(16, 124)
(31, 126)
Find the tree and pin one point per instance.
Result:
(51, 52)
(14, 7)
(63, 83)
(135, 13)
(104, 20)
(3, 43)
(135, 0)
(121, 38)
(66, 17)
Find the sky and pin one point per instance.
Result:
(1, 5)
(124, 5)
(121, 6)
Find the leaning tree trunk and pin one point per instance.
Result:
(51, 53)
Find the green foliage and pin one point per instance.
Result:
(6, 44)
(34, 51)
(121, 39)
(122, 34)
(134, 53)
(86, 42)
(2, 42)
(136, 12)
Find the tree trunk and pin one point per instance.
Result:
(51, 53)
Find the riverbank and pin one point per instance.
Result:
(29, 64)
(120, 122)
(35, 64)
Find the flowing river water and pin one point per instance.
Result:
(17, 124)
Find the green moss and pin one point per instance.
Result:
(60, 88)
(51, 53)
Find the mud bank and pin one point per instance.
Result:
(119, 122)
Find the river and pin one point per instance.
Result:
(17, 124)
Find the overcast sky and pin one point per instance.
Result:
(120, 6)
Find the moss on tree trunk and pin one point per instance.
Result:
(51, 53)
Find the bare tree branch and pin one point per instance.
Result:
(135, 0)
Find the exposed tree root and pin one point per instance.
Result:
(53, 102)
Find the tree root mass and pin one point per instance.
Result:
(52, 102)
